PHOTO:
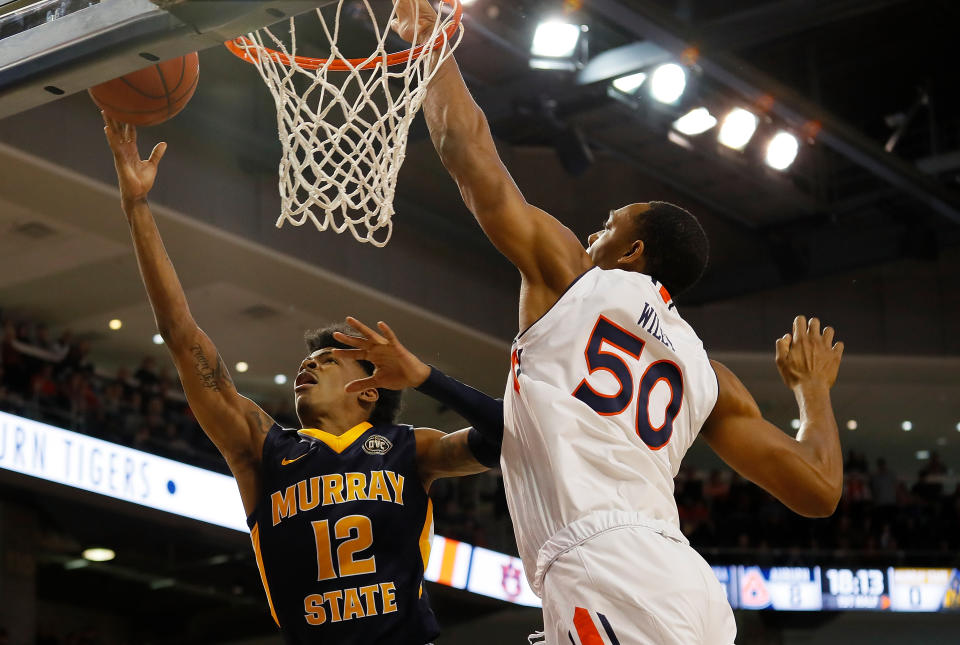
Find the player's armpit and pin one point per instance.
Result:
(235, 424)
(444, 455)
(790, 470)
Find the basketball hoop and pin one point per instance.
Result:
(344, 138)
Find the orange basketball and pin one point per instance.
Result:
(151, 95)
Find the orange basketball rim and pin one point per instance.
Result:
(241, 46)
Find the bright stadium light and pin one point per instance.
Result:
(782, 150)
(696, 121)
(242, 366)
(280, 379)
(555, 39)
(99, 554)
(852, 424)
(157, 339)
(738, 128)
(907, 426)
(668, 82)
(923, 455)
(628, 84)
(795, 424)
(115, 324)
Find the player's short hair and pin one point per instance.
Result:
(387, 407)
(676, 246)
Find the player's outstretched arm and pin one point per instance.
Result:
(804, 472)
(235, 424)
(465, 452)
(544, 250)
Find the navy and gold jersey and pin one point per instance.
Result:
(342, 536)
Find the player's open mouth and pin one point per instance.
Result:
(304, 380)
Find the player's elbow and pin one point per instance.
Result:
(820, 501)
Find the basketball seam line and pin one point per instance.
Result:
(177, 100)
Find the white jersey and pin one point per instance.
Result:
(608, 391)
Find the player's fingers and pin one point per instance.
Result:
(368, 333)
(388, 333)
(361, 384)
(352, 341)
(838, 348)
(813, 327)
(783, 346)
(158, 151)
(828, 336)
(799, 326)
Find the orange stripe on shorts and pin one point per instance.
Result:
(586, 630)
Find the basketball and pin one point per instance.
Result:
(151, 95)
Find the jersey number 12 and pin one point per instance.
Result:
(598, 358)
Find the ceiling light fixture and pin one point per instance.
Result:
(242, 366)
(98, 554)
(738, 128)
(555, 39)
(696, 121)
(115, 324)
(630, 83)
(782, 150)
(668, 82)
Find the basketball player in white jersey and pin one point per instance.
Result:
(609, 387)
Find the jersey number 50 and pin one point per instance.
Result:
(598, 358)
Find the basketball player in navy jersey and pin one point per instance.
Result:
(608, 389)
(338, 510)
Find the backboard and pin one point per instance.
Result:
(53, 48)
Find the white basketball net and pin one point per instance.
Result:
(341, 155)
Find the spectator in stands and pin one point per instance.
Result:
(77, 359)
(717, 487)
(146, 374)
(934, 466)
(14, 365)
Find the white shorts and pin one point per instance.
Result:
(631, 585)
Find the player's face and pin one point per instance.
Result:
(321, 380)
(617, 236)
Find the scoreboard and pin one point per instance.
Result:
(839, 589)
(863, 589)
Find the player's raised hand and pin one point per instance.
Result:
(134, 175)
(395, 366)
(808, 356)
(414, 20)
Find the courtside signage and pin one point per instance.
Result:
(56, 455)
(500, 576)
(64, 457)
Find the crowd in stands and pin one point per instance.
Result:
(52, 380)
(881, 512)
(881, 515)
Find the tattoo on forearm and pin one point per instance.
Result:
(221, 374)
(211, 378)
